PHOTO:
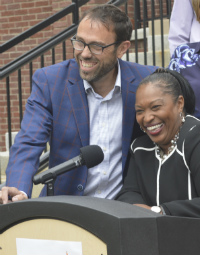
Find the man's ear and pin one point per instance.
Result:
(123, 47)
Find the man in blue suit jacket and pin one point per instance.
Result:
(86, 100)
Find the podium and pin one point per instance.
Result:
(104, 227)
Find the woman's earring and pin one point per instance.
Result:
(142, 130)
(182, 117)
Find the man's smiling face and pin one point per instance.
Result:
(93, 67)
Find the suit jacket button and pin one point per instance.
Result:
(80, 187)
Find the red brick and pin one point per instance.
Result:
(14, 55)
(64, 4)
(43, 16)
(15, 110)
(15, 120)
(21, 12)
(30, 42)
(2, 8)
(3, 115)
(13, 6)
(15, 31)
(21, 1)
(6, 25)
(42, 3)
(27, 5)
(4, 119)
(3, 20)
(32, 23)
(7, 37)
(47, 9)
(35, 10)
(29, 17)
(15, 19)
(7, 1)
(7, 13)
(16, 113)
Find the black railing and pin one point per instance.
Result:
(38, 51)
(142, 22)
(42, 48)
(141, 19)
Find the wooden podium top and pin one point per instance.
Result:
(105, 227)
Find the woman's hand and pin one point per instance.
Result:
(144, 206)
(147, 207)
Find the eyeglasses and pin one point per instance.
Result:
(93, 47)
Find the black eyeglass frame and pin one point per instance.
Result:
(88, 45)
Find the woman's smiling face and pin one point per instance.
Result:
(157, 113)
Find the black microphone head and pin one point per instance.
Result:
(92, 155)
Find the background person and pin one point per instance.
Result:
(186, 61)
(168, 180)
(184, 23)
(89, 100)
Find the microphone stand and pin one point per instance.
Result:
(49, 180)
(50, 187)
(87, 153)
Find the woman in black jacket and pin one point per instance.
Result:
(163, 173)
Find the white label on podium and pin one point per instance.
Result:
(47, 247)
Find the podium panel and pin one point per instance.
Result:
(104, 227)
(50, 229)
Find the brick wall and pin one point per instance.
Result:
(16, 16)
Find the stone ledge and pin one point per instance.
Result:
(158, 58)
(3, 178)
(4, 156)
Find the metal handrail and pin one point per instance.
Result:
(37, 51)
(38, 27)
(49, 44)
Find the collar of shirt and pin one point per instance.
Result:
(88, 87)
(105, 179)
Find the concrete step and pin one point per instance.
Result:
(4, 156)
(3, 178)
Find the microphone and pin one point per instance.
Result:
(90, 156)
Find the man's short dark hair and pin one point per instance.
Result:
(112, 18)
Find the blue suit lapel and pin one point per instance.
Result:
(128, 98)
(78, 99)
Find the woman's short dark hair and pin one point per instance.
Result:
(112, 18)
(173, 83)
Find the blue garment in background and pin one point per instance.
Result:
(186, 61)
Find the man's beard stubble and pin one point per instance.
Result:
(100, 72)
